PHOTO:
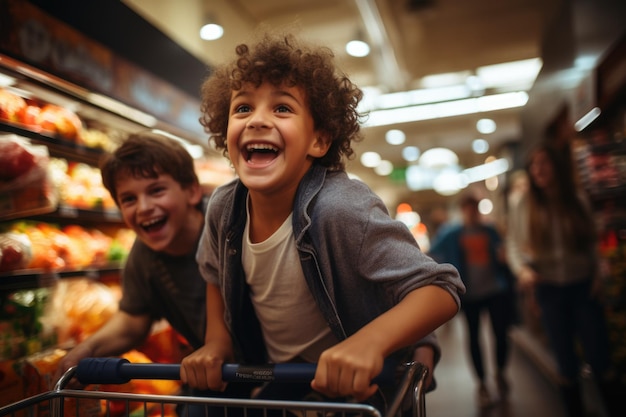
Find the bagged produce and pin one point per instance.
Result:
(21, 162)
(78, 307)
(15, 251)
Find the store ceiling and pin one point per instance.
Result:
(411, 39)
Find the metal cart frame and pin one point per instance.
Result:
(55, 403)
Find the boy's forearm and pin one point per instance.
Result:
(120, 334)
(216, 327)
(420, 313)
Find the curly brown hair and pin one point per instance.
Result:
(283, 60)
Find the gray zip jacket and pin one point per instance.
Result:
(358, 262)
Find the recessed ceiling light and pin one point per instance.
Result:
(357, 48)
(410, 153)
(485, 206)
(486, 126)
(211, 32)
(395, 137)
(370, 159)
(439, 158)
(480, 146)
(384, 168)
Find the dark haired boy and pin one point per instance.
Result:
(153, 182)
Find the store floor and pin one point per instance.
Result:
(532, 394)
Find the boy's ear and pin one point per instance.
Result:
(320, 146)
(195, 194)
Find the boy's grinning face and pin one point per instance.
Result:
(157, 209)
(271, 137)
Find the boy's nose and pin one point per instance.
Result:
(143, 203)
(258, 119)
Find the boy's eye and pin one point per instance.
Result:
(244, 108)
(157, 190)
(126, 199)
(283, 109)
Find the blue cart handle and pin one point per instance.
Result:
(120, 371)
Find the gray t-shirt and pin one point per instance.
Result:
(164, 286)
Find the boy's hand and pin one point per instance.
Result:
(426, 356)
(72, 358)
(203, 368)
(347, 369)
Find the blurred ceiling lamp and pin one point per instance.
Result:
(486, 126)
(485, 206)
(486, 170)
(211, 31)
(437, 158)
(451, 179)
(475, 85)
(423, 96)
(444, 79)
(480, 146)
(358, 47)
(395, 137)
(449, 182)
(516, 74)
(586, 120)
(370, 159)
(384, 168)
(410, 153)
(447, 109)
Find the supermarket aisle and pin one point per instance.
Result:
(531, 394)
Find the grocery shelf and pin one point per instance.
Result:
(38, 278)
(57, 147)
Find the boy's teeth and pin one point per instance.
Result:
(150, 222)
(261, 147)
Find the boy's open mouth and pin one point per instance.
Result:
(260, 153)
(153, 225)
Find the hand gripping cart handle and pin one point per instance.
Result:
(119, 371)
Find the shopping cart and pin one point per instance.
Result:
(62, 401)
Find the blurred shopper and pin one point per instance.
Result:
(551, 244)
(476, 249)
(518, 187)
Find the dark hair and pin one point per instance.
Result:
(147, 155)
(468, 199)
(574, 217)
(332, 97)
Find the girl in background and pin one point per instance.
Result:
(551, 248)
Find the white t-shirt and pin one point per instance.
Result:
(292, 324)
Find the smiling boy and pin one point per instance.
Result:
(153, 182)
(302, 263)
